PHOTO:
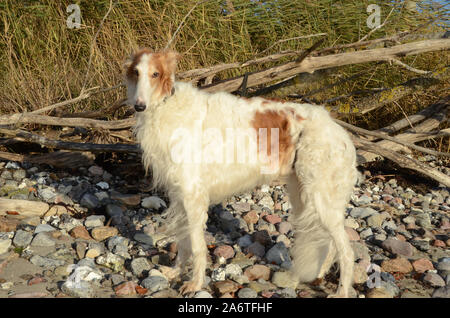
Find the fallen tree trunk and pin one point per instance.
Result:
(412, 135)
(314, 63)
(29, 118)
(74, 146)
(402, 161)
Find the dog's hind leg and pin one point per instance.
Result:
(196, 208)
(329, 260)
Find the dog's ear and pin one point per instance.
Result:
(171, 60)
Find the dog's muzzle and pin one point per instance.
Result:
(139, 107)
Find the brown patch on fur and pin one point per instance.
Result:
(165, 64)
(131, 64)
(273, 119)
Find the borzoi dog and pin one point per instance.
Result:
(205, 147)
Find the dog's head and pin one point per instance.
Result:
(150, 77)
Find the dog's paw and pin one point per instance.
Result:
(190, 287)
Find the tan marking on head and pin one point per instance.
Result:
(165, 63)
(276, 119)
(130, 65)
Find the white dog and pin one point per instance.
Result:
(204, 148)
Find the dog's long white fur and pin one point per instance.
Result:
(320, 173)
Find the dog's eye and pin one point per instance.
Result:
(136, 72)
(156, 74)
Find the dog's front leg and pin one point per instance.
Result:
(196, 207)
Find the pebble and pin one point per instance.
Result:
(398, 264)
(139, 266)
(155, 283)
(42, 239)
(398, 247)
(224, 251)
(80, 232)
(433, 280)
(422, 265)
(247, 293)
(94, 221)
(22, 238)
(257, 271)
(251, 233)
(102, 233)
(46, 262)
(278, 254)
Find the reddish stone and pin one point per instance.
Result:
(422, 265)
(272, 218)
(399, 264)
(36, 280)
(141, 290)
(125, 289)
(225, 251)
(251, 217)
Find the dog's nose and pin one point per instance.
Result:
(139, 106)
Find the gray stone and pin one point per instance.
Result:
(366, 233)
(42, 239)
(444, 265)
(47, 194)
(421, 245)
(362, 213)
(244, 241)
(144, 238)
(139, 266)
(44, 228)
(375, 220)
(155, 283)
(360, 250)
(247, 293)
(288, 292)
(442, 292)
(19, 174)
(82, 289)
(89, 201)
(46, 262)
(278, 254)
(22, 238)
(398, 247)
(423, 220)
(256, 249)
(433, 279)
(94, 221)
(117, 279)
(203, 294)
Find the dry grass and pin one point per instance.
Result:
(43, 62)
